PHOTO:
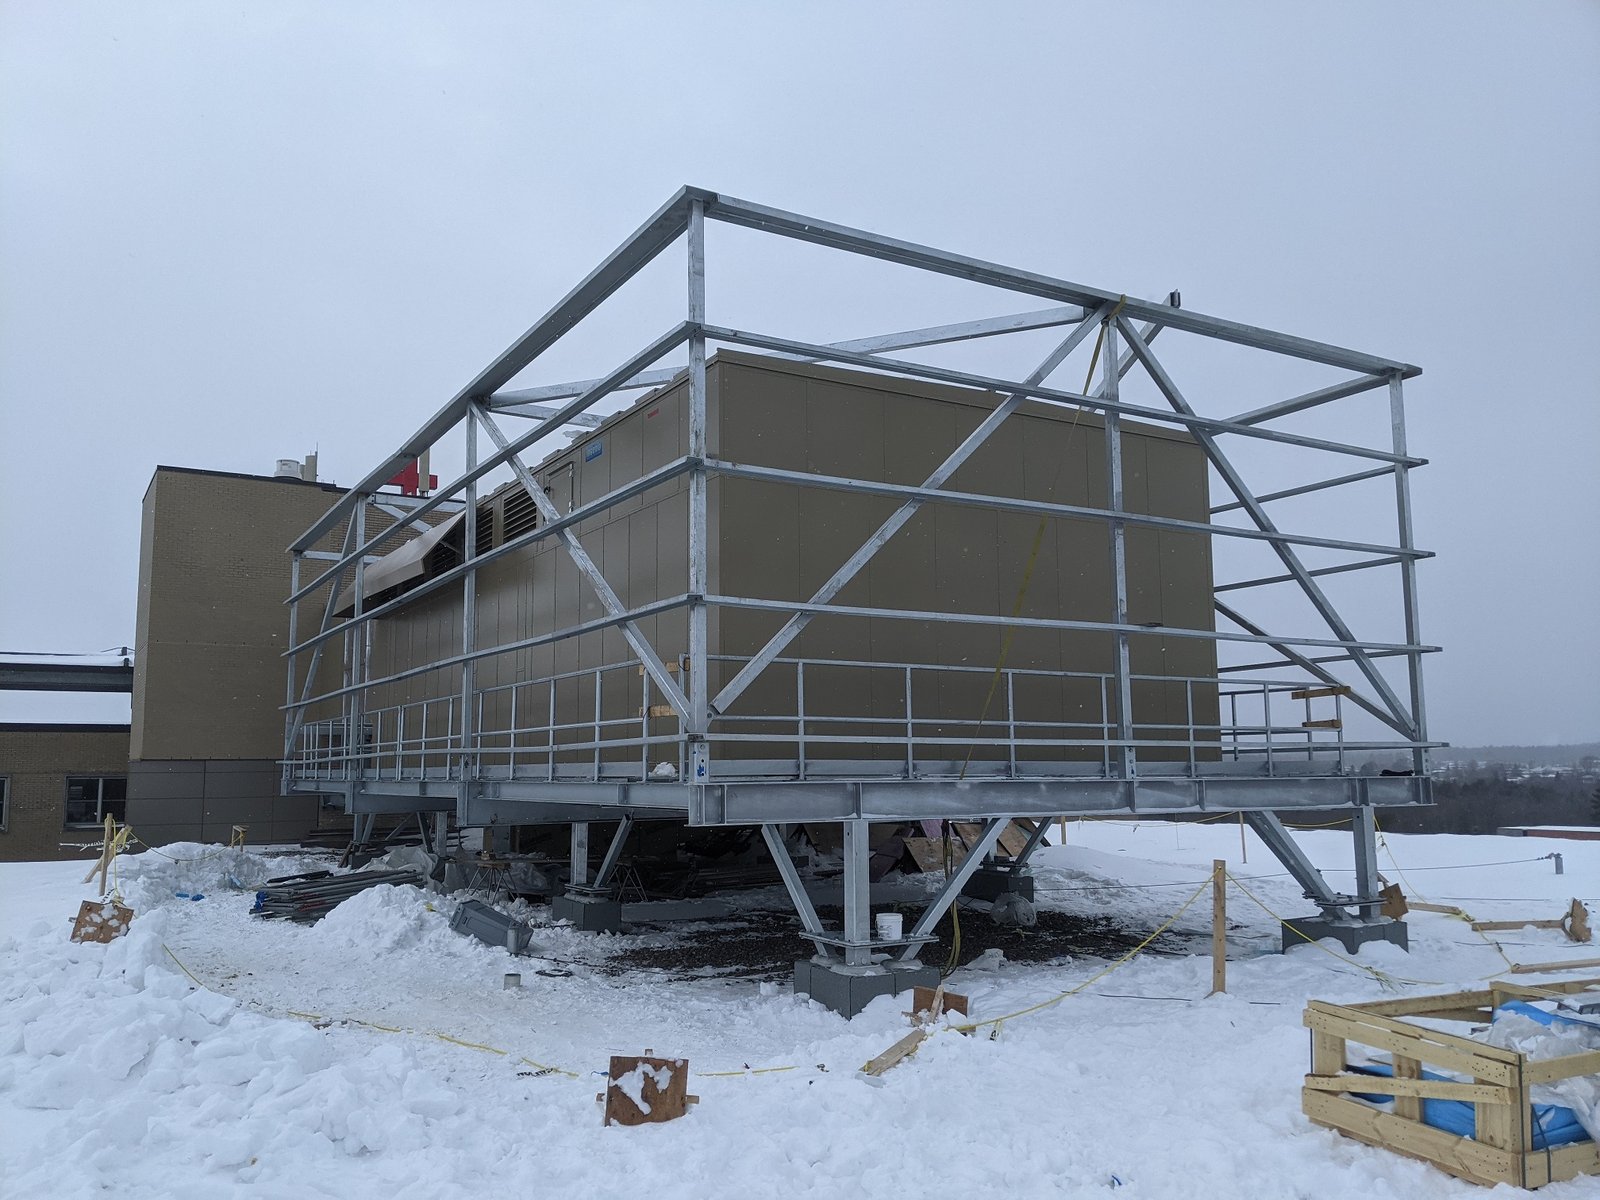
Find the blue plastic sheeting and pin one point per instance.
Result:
(1552, 1019)
(1553, 1124)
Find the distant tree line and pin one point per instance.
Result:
(1483, 799)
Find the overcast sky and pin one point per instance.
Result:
(232, 232)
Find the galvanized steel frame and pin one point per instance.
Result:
(1128, 325)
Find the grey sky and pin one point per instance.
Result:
(231, 233)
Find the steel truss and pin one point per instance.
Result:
(528, 773)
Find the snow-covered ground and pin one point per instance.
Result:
(377, 1054)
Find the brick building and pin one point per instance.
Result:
(58, 782)
(201, 752)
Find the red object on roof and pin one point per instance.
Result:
(409, 481)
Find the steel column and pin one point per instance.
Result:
(1408, 572)
(857, 894)
(1118, 538)
(698, 719)
(579, 873)
(1364, 828)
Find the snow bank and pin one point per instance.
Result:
(384, 920)
(119, 1076)
(123, 1045)
(155, 877)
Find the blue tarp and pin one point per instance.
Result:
(1553, 1124)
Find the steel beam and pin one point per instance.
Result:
(1363, 829)
(608, 864)
(469, 611)
(654, 236)
(1337, 391)
(579, 863)
(609, 600)
(961, 618)
(1317, 573)
(667, 342)
(947, 894)
(610, 500)
(1287, 851)
(1241, 490)
(793, 884)
(895, 366)
(1044, 508)
(524, 401)
(1304, 489)
(853, 565)
(840, 237)
(1313, 667)
(64, 677)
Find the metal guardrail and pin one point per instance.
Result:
(530, 730)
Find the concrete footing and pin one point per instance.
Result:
(848, 990)
(590, 913)
(988, 883)
(1352, 935)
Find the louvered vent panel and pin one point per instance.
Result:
(520, 514)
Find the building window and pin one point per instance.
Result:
(93, 798)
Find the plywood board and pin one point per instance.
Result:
(101, 921)
(643, 1090)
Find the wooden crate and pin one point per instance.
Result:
(1503, 1151)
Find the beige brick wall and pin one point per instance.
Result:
(36, 760)
(213, 574)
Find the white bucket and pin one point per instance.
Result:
(889, 926)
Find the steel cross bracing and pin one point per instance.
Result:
(387, 756)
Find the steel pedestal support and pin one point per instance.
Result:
(1353, 920)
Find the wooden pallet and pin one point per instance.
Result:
(1501, 1079)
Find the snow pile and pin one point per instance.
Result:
(383, 920)
(157, 876)
(120, 1043)
(420, 1076)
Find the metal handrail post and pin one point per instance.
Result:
(911, 735)
(800, 713)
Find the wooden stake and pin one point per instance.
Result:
(1219, 926)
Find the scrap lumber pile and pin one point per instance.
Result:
(309, 897)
